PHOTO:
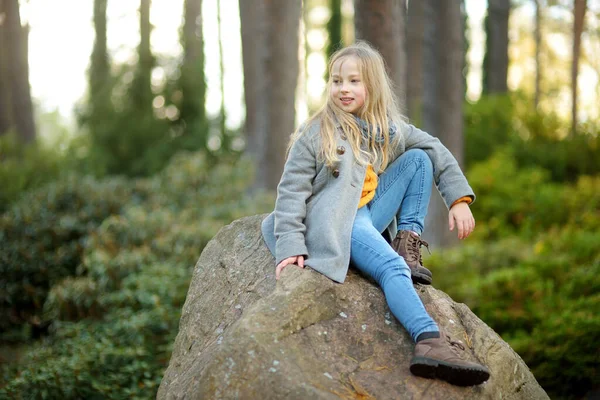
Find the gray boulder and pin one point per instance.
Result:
(242, 335)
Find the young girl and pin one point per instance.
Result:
(355, 170)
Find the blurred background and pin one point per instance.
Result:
(132, 131)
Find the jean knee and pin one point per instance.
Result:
(421, 157)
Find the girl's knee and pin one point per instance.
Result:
(421, 157)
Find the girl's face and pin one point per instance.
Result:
(347, 89)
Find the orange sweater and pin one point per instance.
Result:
(368, 191)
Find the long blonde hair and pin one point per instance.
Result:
(380, 110)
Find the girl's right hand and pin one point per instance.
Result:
(299, 260)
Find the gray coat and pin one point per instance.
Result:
(316, 205)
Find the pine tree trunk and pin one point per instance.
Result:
(253, 20)
(381, 23)
(222, 77)
(578, 23)
(192, 81)
(282, 69)
(443, 98)
(99, 68)
(496, 61)
(5, 97)
(414, 55)
(143, 89)
(18, 72)
(270, 53)
(99, 78)
(334, 27)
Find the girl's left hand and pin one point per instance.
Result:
(461, 216)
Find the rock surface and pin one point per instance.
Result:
(244, 336)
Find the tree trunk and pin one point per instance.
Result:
(18, 72)
(222, 76)
(143, 88)
(496, 60)
(578, 22)
(192, 81)
(99, 73)
(381, 23)
(443, 97)
(270, 52)
(99, 68)
(538, 48)
(334, 27)
(415, 24)
(5, 98)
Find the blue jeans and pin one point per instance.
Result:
(403, 190)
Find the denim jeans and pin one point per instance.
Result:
(403, 190)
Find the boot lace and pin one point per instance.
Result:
(414, 248)
(454, 346)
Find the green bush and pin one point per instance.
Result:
(488, 126)
(532, 270)
(25, 167)
(43, 237)
(114, 324)
(534, 139)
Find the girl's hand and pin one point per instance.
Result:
(461, 216)
(290, 260)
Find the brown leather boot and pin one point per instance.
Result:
(408, 245)
(439, 358)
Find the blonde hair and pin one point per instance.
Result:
(380, 110)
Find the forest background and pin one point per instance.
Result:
(104, 213)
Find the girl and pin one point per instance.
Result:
(353, 171)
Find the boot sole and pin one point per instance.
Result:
(451, 373)
(420, 278)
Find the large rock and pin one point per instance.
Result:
(244, 336)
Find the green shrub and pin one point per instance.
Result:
(534, 279)
(114, 324)
(489, 124)
(43, 237)
(25, 167)
(534, 139)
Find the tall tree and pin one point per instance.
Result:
(99, 77)
(580, 7)
(16, 45)
(141, 92)
(443, 96)
(415, 25)
(5, 102)
(334, 27)
(270, 53)
(538, 49)
(192, 80)
(221, 76)
(495, 62)
(381, 23)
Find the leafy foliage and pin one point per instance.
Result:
(531, 269)
(114, 318)
(24, 167)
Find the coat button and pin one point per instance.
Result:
(336, 173)
(341, 150)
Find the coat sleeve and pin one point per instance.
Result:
(447, 175)
(293, 191)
